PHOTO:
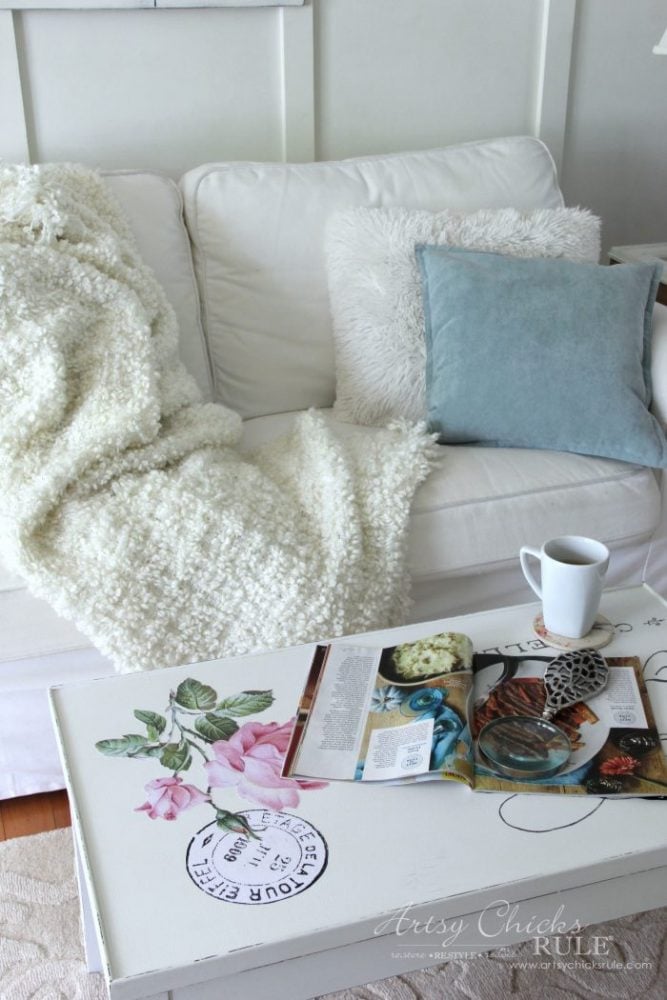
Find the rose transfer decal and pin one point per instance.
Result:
(198, 726)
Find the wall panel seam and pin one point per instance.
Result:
(553, 82)
(297, 83)
(15, 143)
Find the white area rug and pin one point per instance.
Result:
(41, 954)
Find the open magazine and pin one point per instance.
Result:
(414, 712)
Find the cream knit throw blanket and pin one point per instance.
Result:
(124, 501)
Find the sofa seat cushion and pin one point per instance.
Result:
(479, 505)
(258, 236)
(482, 504)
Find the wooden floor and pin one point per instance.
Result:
(33, 814)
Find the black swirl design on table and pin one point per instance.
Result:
(653, 668)
(503, 809)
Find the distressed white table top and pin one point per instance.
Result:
(380, 847)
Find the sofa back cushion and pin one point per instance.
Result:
(257, 231)
(153, 205)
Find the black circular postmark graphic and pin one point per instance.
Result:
(288, 856)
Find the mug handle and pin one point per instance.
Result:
(525, 551)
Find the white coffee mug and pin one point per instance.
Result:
(573, 572)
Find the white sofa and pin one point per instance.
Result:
(238, 249)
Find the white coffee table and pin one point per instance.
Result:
(353, 865)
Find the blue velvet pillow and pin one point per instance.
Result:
(535, 353)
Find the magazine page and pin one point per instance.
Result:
(615, 746)
(396, 714)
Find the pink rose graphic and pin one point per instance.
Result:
(252, 759)
(167, 797)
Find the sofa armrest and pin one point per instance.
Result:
(659, 363)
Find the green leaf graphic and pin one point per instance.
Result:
(246, 703)
(192, 694)
(156, 723)
(130, 745)
(215, 727)
(176, 756)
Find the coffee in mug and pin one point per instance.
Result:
(573, 569)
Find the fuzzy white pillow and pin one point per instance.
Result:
(375, 290)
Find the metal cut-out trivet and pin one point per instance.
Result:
(572, 677)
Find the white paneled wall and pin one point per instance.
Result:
(171, 88)
(616, 140)
(422, 72)
(162, 88)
